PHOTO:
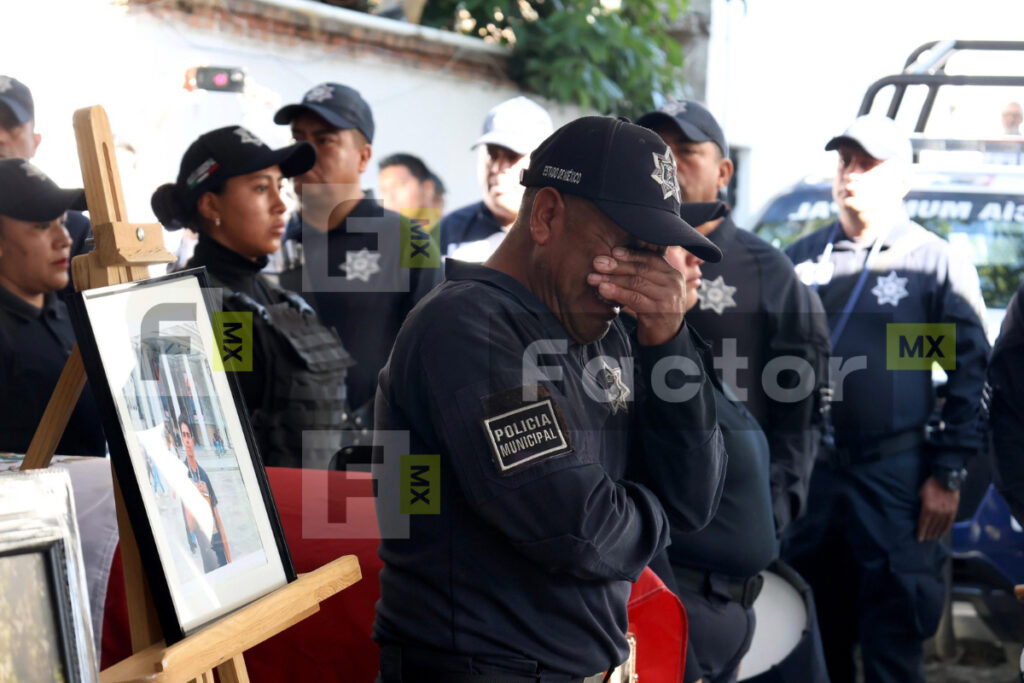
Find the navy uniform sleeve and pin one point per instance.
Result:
(1006, 412)
(959, 434)
(798, 330)
(563, 511)
(678, 446)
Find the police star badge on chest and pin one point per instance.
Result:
(524, 426)
(890, 289)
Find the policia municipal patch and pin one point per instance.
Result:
(524, 432)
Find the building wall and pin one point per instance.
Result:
(429, 92)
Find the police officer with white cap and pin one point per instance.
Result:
(899, 299)
(511, 131)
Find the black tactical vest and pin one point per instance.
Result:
(304, 406)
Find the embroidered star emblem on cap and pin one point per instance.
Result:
(5, 83)
(32, 171)
(716, 295)
(890, 289)
(360, 265)
(665, 174)
(247, 137)
(674, 108)
(320, 93)
(616, 391)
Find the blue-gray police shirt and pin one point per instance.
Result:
(917, 278)
(537, 536)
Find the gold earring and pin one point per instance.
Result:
(216, 222)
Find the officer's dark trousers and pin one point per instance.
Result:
(410, 665)
(874, 584)
(720, 633)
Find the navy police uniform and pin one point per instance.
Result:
(294, 391)
(468, 224)
(716, 570)
(753, 302)
(355, 279)
(34, 346)
(527, 568)
(1006, 414)
(874, 583)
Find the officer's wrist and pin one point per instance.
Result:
(949, 478)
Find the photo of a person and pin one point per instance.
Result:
(203, 526)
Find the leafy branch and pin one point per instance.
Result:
(613, 56)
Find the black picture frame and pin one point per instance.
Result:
(43, 588)
(188, 593)
(58, 598)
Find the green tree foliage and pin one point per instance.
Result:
(614, 56)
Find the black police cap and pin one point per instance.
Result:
(28, 194)
(339, 105)
(692, 119)
(16, 96)
(233, 151)
(627, 172)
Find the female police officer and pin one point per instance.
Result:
(229, 191)
(35, 330)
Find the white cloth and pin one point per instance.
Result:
(477, 251)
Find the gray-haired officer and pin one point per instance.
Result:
(519, 374)
(899, 299)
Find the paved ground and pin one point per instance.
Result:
(979, 662)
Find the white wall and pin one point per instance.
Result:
(786, 75)
(76, 53)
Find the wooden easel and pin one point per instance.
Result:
(123, 253)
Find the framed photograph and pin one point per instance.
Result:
(182, 448)
(45, 628)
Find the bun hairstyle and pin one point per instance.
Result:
(172, 210)
(211, 161)
(177, 207)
